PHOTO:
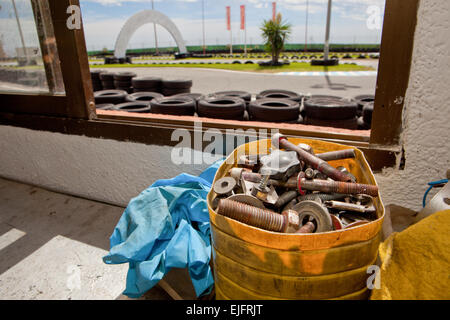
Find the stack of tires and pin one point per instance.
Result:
(276, 106)
(143, 96)
(194, 96)
(365, 121)
(134, 106)
(146, 84)
(246, 96)
(96, 81)
(122, 81)
(365, 110)
(330, 112)
(174, 87)
(175, 105)
(280, 106)
(222, 107)
(361, 100)
(107, 99)
(107, 80)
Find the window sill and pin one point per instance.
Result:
(156, 129)
(357, 136)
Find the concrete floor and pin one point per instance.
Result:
(51, 247)
(52, 244)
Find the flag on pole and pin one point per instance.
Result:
(228, 18)
(274, 10)
(242, 17)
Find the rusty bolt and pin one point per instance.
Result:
(328, 186)
(309, 227)
(260, 218)
(337, 155)
(345, 170)
(285, 198)
(349, 206)
(290, 205)
(313, 161)
(337, 187)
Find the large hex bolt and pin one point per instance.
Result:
(279, 140)
(260, 218)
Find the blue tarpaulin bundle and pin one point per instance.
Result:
(166, 226)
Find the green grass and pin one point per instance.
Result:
(296, 66)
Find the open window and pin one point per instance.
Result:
(62, 100)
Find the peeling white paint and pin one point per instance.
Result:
(398, 100)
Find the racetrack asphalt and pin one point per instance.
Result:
(207, 81)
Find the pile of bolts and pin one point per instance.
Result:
(294, 190)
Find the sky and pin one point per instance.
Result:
(352, 21)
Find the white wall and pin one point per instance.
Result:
(114, 172)
(426, 135)
(98, 169)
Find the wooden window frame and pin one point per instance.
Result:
(75, 113)
(78, 100)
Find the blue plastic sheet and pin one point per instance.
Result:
(166, 226)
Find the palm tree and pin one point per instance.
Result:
(275, 33)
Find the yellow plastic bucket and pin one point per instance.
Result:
(255, 264)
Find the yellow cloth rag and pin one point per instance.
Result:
(416, 262)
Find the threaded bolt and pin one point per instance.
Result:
(337, 187)
(307, 228)
(261, 191)
(260, 218)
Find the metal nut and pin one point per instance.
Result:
(292, 221)
(224, 186)
(309, 173)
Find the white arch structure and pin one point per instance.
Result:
(138, 20)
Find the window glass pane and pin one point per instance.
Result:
(29, 61)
